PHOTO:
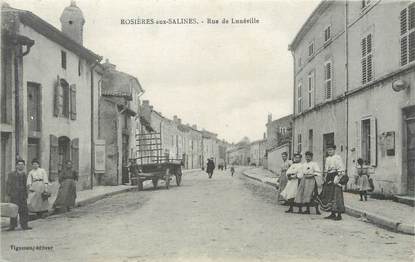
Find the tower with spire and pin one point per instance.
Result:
(72, 22)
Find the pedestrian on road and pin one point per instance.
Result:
(16, 189)
(310, 185)
(232, 170)
(362, 180)
(294, 173)
(332, 195)
(37, 183)
(65, 199)
(210, 166)
(282, 180)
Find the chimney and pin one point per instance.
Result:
(175, 119)
(194, 127)
(265, 135)
(108, 66)
(179, 120)
(269, 118)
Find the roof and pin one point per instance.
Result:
(116, 83)
(311, 20)
(54, 34)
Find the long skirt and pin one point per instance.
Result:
(35, 201)
(290, 190)
(66, 194)
(331, 199)
(363, 183)
(305, 191)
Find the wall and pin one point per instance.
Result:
(44, 71)
(274, 161)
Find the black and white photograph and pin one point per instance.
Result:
(207, 130)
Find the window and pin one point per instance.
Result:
(366, 140)
(365, 3)
(79, 67)
(311, 49)
(327, 33)
(65, 100)
(63, 59)
(299, 143)
(328, 87)
(311, 90)
(367, 59)
(310, 140)
(407, 18)
(299, 98)
(299, 62)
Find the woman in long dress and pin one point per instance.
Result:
(331, 199)
(309, 186)
(37, 183)
(294, 173)
(283, 179)
(67, 189)
(362, 180)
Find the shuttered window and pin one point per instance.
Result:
(299, 143)
(407, 40)
(367, 59)
(299, 98)
(328, 75)
(327, 33)
(73, 101)
(53, 157)
(311, 49)
(366, 140)
(311, 90)
(57, 103)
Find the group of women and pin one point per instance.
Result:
(39, 189)
(304, 185)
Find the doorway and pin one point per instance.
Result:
(328, 139)
(33, 151)
(64, 149)
(410, 140)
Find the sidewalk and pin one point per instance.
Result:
(89, 196)
(385, 213)
(85, 197)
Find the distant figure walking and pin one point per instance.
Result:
(232, 171)
(210, 167)
(67, 190)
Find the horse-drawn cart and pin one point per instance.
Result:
(151, 164)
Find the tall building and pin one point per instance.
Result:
(354, 64)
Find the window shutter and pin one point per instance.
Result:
(373, 141)
(404, 21)
(57, 97)
(358, 139)
(53, 157)
(404, 50)
(369, 73)
(75, 153)
(73, 101)
(411, 16)
(411, 46)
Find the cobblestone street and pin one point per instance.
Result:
(221, 219)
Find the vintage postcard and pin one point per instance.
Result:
(207, 130)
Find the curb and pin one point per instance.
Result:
(378, 220)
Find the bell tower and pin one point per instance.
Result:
(72, 22)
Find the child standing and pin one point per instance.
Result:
(362, 180)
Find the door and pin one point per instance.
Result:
(33, 107)
(328, 139)
(33, 151)
(411, 156)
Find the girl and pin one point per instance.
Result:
(362, 181)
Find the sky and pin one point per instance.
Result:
(225, 78)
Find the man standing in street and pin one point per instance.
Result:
(282, 180)
(210, 167)
(16, 189)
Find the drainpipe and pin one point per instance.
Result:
(92, 123)
(346, 50)
(294, 97)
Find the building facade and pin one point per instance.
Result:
(41, 98)
(118, 108)
(354, 75)
(257, 151)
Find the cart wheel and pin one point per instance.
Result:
(155, 182)
(167, 178)
(140, 184)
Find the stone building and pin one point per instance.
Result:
(49, 93)
(118, 108)
(210, 147)
(257, 151)
(353, 86)
(192, 145)
(239, 154)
